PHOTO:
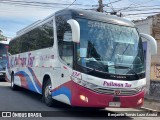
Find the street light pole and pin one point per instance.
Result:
(100, 8)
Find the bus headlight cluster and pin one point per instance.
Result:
(139, 89)
(84, 83)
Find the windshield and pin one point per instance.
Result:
(109, 48)
(3, 57)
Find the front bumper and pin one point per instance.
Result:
(84, 97)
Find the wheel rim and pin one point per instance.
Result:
(48, 91)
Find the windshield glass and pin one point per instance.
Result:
(110, 48)
(3, 57)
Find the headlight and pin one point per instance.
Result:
(84, 83)
(141, 88)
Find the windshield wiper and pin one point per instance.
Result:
(115, 66)
(125, 67)
(91, 69)
(134, 72)
(104, 66)
(118, 66)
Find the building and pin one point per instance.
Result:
(151, 26)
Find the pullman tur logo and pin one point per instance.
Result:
(117, 92)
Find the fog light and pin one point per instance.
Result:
(83, 98)
(140, 101)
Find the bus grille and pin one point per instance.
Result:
(124, 92)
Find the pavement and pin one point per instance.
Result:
(24, 100)
(152, 103)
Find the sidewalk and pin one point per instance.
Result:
(152, 103)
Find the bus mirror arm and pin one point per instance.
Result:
(152, 42)
(75, 30)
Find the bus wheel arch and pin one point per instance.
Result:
(46, 94)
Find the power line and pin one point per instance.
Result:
(139, 7)
(45, 5)
(136, 5)
(142, 13)
(71, 4)
(30, 2)
(34, 4)
(141, 3)
(145, 9)
(111, 6)
(114, 1)
(132, 7)
(114, 12)
(25, 5)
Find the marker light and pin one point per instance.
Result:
(81, 14)
(140, 101)
(83, 98)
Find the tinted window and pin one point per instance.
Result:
(64, 36)
(38, 38)
(15, 46)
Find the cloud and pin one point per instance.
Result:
(15, 17)
(24, 12)
(11, 26)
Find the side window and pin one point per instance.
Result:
(45, 36)
(67, 48)
(26, 42)
(15, 46)
(38, 38)
(64, 36)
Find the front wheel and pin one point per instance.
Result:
(46, 93)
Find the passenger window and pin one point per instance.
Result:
(64, 36)
(67, 49)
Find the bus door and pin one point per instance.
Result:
(66, 57)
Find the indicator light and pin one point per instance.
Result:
(140, 101)
(83, 98)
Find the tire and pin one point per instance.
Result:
(13, 86)
(46, 94)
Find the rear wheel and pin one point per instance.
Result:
(13, 86)
(46, 93)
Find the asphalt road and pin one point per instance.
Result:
(24, 100)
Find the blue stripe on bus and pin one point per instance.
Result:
(28, 80)
(63, 90)
(35, 80)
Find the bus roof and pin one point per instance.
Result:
(93, 15)
(88, 14)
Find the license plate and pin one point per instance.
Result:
(114, 104)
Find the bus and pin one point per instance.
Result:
(3, 58)
(81, 58)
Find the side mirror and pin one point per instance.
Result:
(75, 30)
(152, 42)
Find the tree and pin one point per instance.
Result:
(2, 37)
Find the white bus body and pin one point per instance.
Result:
(81, 58)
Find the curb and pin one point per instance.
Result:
(149, 109)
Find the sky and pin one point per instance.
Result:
(16, 15)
